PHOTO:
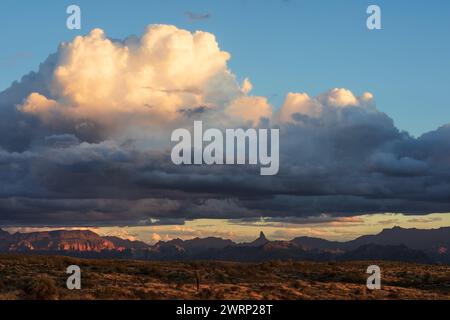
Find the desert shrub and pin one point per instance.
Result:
(427, 278)
(121, 269)
(155, 272)
(145, 271)
(41, 288)
(89, 280)
(179, 286)
(265, 266)
(206, 293)
(113, 293)
(359, 291)
(297, 284)
(141, 294)
(195, 265)
(394, 295)
(220, 295)
(153, 295)
(176, 276)
(221, 277)
(265, 287)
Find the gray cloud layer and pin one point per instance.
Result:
(347, 159)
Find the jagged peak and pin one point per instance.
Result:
(262, 236)
(262, 240)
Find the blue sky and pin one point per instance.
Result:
(282, 46)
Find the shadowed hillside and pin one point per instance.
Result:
(397, 244)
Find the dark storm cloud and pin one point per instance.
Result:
(337, 168)
(68, 182)
(77, 172)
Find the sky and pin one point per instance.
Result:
(239, 231)
(301, 45)
(363, 116)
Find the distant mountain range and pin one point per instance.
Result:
(396, 244)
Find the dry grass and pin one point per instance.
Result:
(40, 277)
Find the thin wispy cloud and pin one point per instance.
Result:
(193, 16)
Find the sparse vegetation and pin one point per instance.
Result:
(44, 277)
(41, 287)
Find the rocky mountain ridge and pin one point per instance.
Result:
(396, 244)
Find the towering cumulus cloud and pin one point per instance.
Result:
(155, 76)
(86, 141)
